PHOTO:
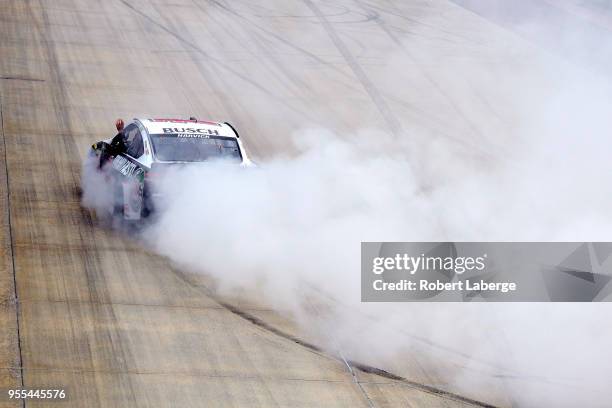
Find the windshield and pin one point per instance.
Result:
(194, 147)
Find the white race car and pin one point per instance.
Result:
(145, 147)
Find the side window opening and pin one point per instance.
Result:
(135, 146)
(128, 135)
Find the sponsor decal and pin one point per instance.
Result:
(183, 131)
(191, 135)
(126, 167)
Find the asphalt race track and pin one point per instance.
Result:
(82, 307)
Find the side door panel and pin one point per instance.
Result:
(130, 175)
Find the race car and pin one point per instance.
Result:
(146, 147)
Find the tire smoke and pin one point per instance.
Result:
(289, 232)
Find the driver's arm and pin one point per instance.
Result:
(118, 143)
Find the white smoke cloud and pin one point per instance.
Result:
(290, 231)
(101, 200)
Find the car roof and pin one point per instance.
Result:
(165, 125)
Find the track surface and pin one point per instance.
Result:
(85, 309)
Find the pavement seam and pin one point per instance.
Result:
(100, 303)
(356, 380)
(10, 233)
(78, 370)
